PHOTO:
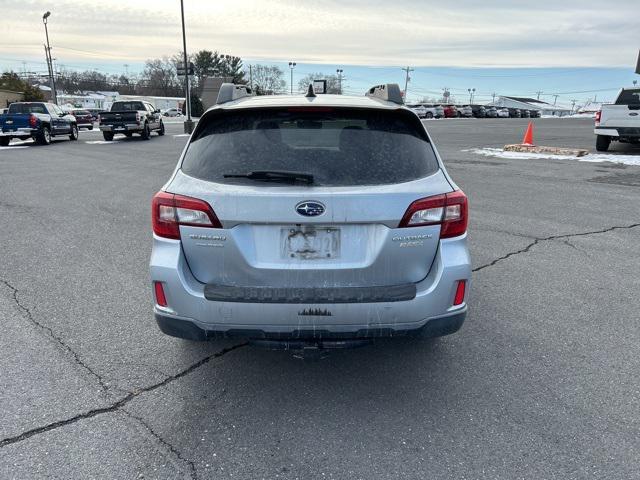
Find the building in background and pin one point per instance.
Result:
(9, 96)
(161, 103)
(210, 88)
(84, 100)
(532, 104)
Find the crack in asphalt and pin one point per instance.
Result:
(550, 238)
(193, 473)
(51, 334)
(120, 403)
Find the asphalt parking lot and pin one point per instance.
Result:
(541, 382)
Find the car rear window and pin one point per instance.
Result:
(27, 108)
(339, 147)
(629, 97)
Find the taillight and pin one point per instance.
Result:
(449, 210)
(33, 121)
(169, 211)
(459, 296)
(161, 299)
(598, 117)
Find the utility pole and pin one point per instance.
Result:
(472, 92)
(539, 93)
(406, 81)
(493, 95)
(573, 104)
(292, 65)
(188, 124)
(339, 72)
(251, 77)
(54, 97)
(555, 98)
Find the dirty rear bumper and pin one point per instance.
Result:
(192, 330)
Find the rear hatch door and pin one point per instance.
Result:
(340, 230)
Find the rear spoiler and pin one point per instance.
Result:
(389, 92)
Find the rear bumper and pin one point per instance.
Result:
(20, 132)
(188, 305)
(193, 330)
(128, 127)
(623, 132)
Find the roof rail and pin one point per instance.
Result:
(230, 92)
(389, 92)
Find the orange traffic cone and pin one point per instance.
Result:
(528, 136)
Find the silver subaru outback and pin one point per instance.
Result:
(325, 219)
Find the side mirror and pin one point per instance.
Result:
(156, 111)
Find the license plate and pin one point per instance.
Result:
(310, 242)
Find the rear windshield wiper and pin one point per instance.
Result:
(274, 176)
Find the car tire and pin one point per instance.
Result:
(428, 115)
(4, 141)
(74, 132)
(602, 143)
(128, 134)
(108, 136)
(43, 137)
(91, 127)
(161, 129)
(146, 133)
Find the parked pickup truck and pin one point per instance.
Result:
(38, 120)
(619, 121)
(129, 117)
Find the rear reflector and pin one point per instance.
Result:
(169, 211)
(459, 298)
(449, 210)
(160, 298)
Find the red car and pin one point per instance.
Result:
(450, 111)
(84, 119)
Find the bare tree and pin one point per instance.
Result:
(160, 78)
(333, 85)
(268, 79)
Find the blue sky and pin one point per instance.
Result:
(502, 46)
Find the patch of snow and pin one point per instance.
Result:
(101, 142)
(15, 143)
(592, 157)
(183, 135)
(13, 147)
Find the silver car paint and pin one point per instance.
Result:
(434, 266)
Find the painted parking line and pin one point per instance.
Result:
(182, 135)
(101, 142)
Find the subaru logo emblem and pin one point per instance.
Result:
(310, 209)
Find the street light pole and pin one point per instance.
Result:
(292, 65)
(339, 72)
(472, 92)
(54, 97)
(188, 124)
